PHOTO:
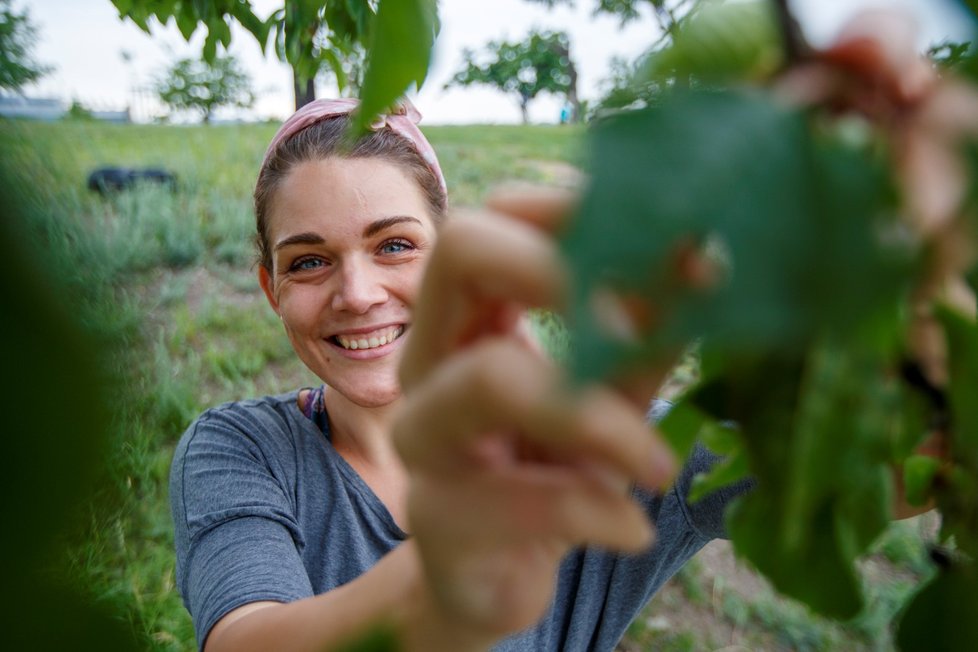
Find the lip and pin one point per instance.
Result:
(367, 329)
(367, 354)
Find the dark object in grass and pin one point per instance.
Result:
(109, 180)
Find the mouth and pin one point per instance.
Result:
(370, 340)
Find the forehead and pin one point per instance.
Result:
(339, 194)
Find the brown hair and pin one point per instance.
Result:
(328, 139)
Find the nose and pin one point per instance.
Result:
(360, 287)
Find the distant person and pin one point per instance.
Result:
(565, 114)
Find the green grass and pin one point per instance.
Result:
(165, 281)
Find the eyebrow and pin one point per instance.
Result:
(387, 222)
(375, 227)
(300, 238)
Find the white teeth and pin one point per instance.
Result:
(379, 338)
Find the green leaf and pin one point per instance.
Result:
(732, 469)
(123, 6)
(941, 617)
(797, 216)
(818, 447)
(399, 54)
(186, 22)
(336, 65)
(918, 477)
(256, 27)
(962, 339)
(721, 41)
(223, 31)
(210, 47)
(681, 427)
(958, 497)
(719, 438)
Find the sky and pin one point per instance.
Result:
(105, 63)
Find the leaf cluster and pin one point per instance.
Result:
(398, 36)
(802, 330)
(307, 34)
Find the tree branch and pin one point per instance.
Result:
(796, 48)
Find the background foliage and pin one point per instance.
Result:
(17, 37)
(204, 86)
(540, 63)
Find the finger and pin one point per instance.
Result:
(543, 207)
(519, 506)
(495, 386)
(480, 276)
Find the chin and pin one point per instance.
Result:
(370, 397)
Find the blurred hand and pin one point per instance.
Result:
(510, 467)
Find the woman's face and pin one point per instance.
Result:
(349, 239)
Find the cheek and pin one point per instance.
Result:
(409, 282)
(299, 310)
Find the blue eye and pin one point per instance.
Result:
(395, 247)
(306, 264)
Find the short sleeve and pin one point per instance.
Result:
(235, 527)
(705, 516)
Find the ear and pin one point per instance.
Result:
(265, 281)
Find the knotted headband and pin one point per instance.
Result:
(402, 119)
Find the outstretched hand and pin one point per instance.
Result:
(510, 467)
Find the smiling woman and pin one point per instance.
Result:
(438, 416)
(264, 492)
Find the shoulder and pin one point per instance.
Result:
(252, 419)
(263, 430)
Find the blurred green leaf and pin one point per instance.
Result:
(797, 218)
(57, 415)
(399, 54)
(186, 22)
(818, 452)
(122, 5)
(732, 469)
(941, 617)
(958, 499)
(681, 427)
(918, 477)
(721, 41)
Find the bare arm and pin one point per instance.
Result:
(391, 594)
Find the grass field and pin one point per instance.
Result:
(166, 281)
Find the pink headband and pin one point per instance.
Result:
(403, 120)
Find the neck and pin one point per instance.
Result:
(366, 431)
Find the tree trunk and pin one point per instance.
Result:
(572, 97)
(305, 92)
(523, 109)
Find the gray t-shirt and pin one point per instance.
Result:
(265, 509)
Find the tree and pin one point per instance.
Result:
(198, 85)
(17, 37)
(312, 35)
(541, 63)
